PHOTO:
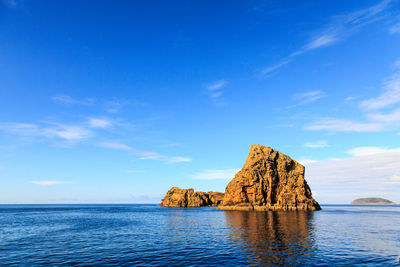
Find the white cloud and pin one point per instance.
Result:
(320, 41)
(341, 125)
(214, 92)
(308, 97)
(61, 131)
(390, 95)
(67, 100)
(340, 27)
(117, 146)
(215, 174)
(367, 175)
(318, 144)
(47, 183)
(306, 161)
(216, 85)
(395, 28)
(68, 132)
(165, 158)
(99, 123)
(369, 150)
(389, 117)
(179, 159)
(395, 179)
(150, 156)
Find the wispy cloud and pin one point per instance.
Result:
(390, 95)
(214, 91)
(317, 144)
(60, 131)
(385, 117)
(9, 3)
(99, 123)
(150, 156)
(162, 157)
(47, 183)
(341, 27)
(67, 100)
(342, 125)
(216, 85)
(179, 159)
(306, 161)
(117, 146)
(369, 150)
(215, 174)
(308, 97)
(395, 28)
(68, 132)
(144, 155)
(366, 174)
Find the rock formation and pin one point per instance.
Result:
(372, 201)
(187, 198)
(269, 180)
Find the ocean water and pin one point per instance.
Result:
(126, 235)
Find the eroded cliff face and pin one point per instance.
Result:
(187, 198)
(269, 180)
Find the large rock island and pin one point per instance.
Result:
(372, 201)
(188, 198)
(269, 180)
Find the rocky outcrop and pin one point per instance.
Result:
(269, 180)
(187, 198)
(372, 201)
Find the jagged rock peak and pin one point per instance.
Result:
(269, 180)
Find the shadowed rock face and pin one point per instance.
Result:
(269, 180)
(187, 198)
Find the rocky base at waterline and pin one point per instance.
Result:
(269, 180)
(188, 198)
(372, 201)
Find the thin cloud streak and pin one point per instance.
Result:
(47, 183)
(341, 27)
(67, 100)
(117, 146)
(307, 97)
(99, 123)
(65, 132)
(390, 95)
(318, 144)
(341, 125)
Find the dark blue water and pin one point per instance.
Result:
(150, 235)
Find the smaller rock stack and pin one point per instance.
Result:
(187, 198)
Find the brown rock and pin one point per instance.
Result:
(269, 180)
(187, 198)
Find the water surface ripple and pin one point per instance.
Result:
(125, 235)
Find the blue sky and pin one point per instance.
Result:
(117, 101)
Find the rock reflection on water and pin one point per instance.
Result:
(275, 237)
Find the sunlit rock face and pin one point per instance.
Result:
(188, 198)
(269, 180)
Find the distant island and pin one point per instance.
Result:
(372, 201)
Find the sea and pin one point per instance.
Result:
(148, 235)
